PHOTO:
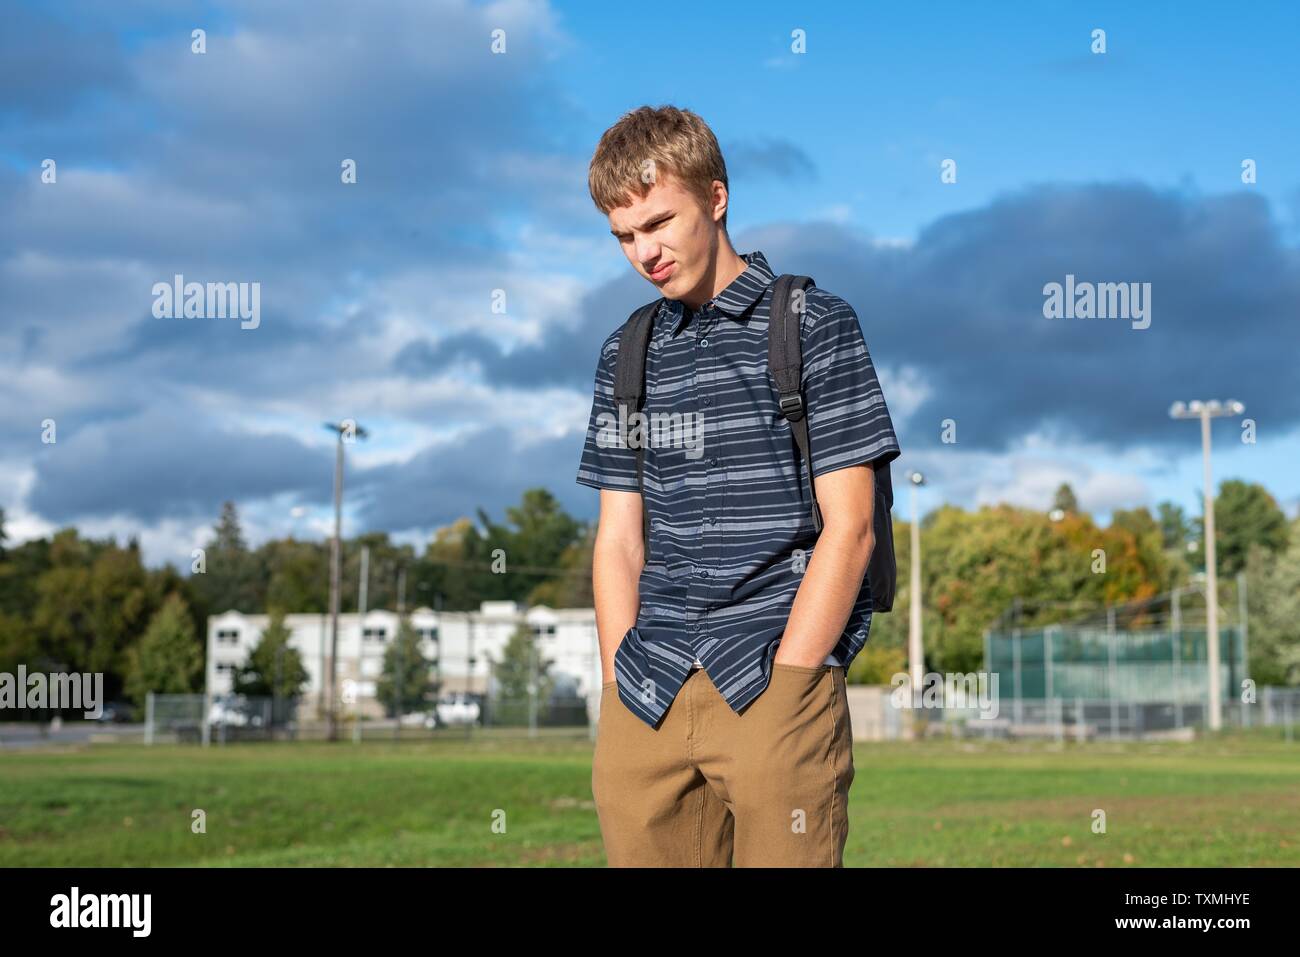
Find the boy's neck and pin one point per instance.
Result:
(725, 269)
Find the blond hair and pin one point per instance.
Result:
(648, 142)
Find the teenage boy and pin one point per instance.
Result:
(724, 735)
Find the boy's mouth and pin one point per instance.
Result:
(663, 272)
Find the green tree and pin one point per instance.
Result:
(1064, 499)
(974, 564)
(404, 682)
(532, 542)
(1273, 606)
(273, 666)
(232, 577)
(20, 567)
(521, 663)
(1245, 514)
(91, 605)
(878, 661)
(1146, 550)
(168, 658)
(1175, 530)
(571, 586)
(297, 575)
(17, 646)
(387, 562)
(450, 566)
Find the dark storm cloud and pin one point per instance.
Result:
(164, 464)
(48, 66)
(963, 306)
(485, 469)
(566, 357)
(225, 167)
(232, 161)
(769, 157)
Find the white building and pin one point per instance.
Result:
(463, 646)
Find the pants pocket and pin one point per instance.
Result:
(788, 789)
(806, 669)
(795, 685)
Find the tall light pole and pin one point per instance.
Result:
(363, 593)
(347, 430)
(914, 652)
(1196, 409)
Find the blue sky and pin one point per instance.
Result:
(377, 297)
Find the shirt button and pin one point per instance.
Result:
(704, 342)
(705, 400)
(704, 573)
(713, 460)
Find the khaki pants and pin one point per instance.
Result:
(709, 787)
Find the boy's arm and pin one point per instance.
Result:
(616, 563)
(609, 464)
(849, 431)
(833, 577)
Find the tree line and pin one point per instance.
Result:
(69, 603)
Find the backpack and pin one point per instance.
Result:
(785, 363)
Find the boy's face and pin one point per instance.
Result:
(670, 239)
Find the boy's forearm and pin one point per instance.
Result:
(830, 587)
(615, 577)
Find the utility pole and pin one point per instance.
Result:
(347, 431)
(275, 689)
(363, 595)
(401, 651)
(532, 684)
(322, 705)
(1243, 616)
(363, 586)
(439, 632)
(914, 648)
(1196, 409)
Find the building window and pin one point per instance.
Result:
(374, 634)
(430, 633)
(227, 636)
(543, 631)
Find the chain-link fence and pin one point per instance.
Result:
(1151, 665)
(194, 718)
(565, 713)
(1084, 719)
(1134, 670)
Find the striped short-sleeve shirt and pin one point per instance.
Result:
(731, 529)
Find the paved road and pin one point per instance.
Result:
(33, 735)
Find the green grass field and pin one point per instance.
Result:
(1231, 801)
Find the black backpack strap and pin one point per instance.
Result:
(785, 362)
(629, 390)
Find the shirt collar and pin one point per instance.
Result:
(741, 293)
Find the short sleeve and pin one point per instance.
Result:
(606, 461)
(848, 420)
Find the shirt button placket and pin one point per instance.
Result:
(694, 598)
(705, 362)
